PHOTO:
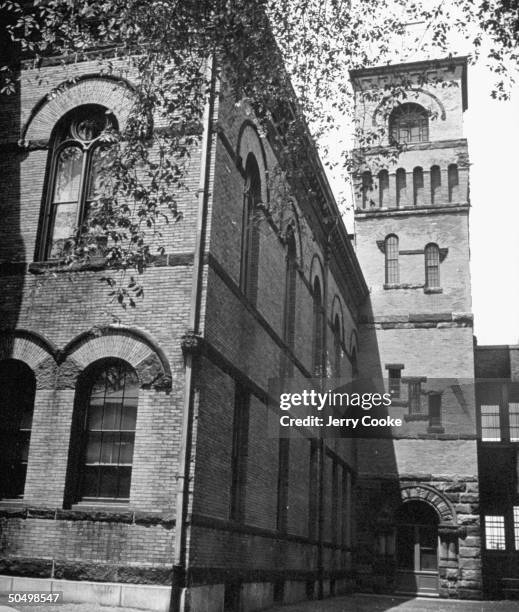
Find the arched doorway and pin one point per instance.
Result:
(417, 548)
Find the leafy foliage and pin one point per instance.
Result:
(265, 51)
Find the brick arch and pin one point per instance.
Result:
(29, 347)
(432, 497)
(115, 94)
(249, 142)
(418, 96)
(131, 345)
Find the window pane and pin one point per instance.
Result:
(68, 175)
(514, 421)
(99, 181)
(495, 533)
(516, 527)
(490, 424)
(65, 220)
(110, 433)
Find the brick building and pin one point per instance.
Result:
(497, 397)
(418, 499)
(136, 469)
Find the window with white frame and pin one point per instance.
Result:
(490, 424)
(513, 416)
(516, 527)
(495, 533)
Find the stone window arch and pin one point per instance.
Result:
(250, 247)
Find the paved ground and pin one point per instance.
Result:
(353, 603)
(383, 603)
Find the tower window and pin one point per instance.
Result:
(77, 158)
(409, 123)
(367, 187)
(432, 266)
(383, 188)
(392, 269)
(250, 230)
(436, 183)
(401, 187)
(453, 179)
(418, 186)
(18, 386)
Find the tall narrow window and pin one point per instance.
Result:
(283, 474)
(432, 266)
(383, 188)
(394, 374)
(108, 417)
(250, 230)
(401, 188)
(516, 527)
(312, 490)
(490, 424)
(435, 411)
(318, 331)
(453, 178)
(436, 184)
(77, 158)
(495, 533)
(418, 186)
(409, 123)
(367, 188)
(289, 314)
(354, 363)
(18, 386)
(513, 417)
(392, 268)
(415, 396)
(240, 445)
(337, 350)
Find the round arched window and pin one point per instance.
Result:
(409, 122)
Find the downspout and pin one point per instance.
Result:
(320, 545)
(189, 346)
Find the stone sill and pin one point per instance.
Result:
(403, 286)
(433, 290)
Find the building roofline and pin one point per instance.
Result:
(406, 66)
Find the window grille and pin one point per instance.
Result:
(432, 266)
(392, 268)
(409, 123)
(495, 533)
(513, 415)
(490, 424)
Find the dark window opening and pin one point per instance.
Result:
(318, 331)
(418, 186)
(18, 385)
(367, 188)
(395, 382)
(453, 180)
(401, 187)
(436, 183)
(337, 349)
(435, 411)
(239, 453)
(289, 315)
(283, 475)
(250, 231)
(383, 188)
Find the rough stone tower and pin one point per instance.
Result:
(412, 240)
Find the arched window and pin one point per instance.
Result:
(77, 156)
(106, 418)
(401, 187)
(392, 269)
(436, 184)
(418, 186)
(250, 230)
(383, 188)
(337, 350)
(289, 314)
(318, 330)
(453, 179)
(432, 266)
(18, 385)
(409, 122)
(367, 187)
